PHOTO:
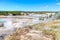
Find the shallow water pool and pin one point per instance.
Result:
(2, 20)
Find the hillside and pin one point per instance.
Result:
(44, 31)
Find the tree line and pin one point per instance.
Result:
(19, 12)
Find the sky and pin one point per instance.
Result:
(29, 5)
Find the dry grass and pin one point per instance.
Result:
(27, 34)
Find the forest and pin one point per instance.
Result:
(24, 12)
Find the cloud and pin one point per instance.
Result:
(58, 3)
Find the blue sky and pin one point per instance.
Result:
(29, 5)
